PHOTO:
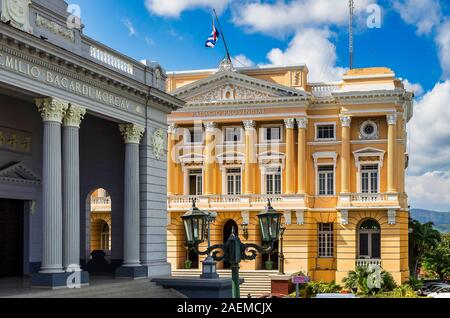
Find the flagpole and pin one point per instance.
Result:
(223, 36)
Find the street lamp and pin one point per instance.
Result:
(233, 251)
(281, 254)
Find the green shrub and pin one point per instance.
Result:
(415, 283)
(369, 280)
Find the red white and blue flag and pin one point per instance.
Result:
(212, 40)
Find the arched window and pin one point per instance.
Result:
(104, 237)
(369, 240)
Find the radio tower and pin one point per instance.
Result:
(351, 4)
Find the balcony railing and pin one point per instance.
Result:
(323, 89)
(369, 197)
(367, 262)
(101, 201)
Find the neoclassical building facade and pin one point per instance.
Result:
(77, 116)
(330, 156)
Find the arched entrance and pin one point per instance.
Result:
(369, 240)
(228, 228)
(100, 221)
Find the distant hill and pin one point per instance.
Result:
(441, 220)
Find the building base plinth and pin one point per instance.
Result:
(60, 280)
(137, 272)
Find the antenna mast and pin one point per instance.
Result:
(352, 8)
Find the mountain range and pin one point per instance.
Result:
(441, 220)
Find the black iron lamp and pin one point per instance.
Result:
(270, 224)
(195, 223)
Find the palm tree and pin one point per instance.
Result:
(423, 237)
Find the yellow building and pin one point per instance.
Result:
(330, 156)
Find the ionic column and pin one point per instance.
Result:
(52, 112)
(172, 177)
(209, 157)
(302, 126)
(392, 140)
(290, 155)
(345, 155)
(71, 188)
(132, 135)
(250, 157)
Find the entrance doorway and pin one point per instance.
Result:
(11, 238)
(227, 230)
(101, 225)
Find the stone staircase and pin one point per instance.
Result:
(256, 283)
(104, 288)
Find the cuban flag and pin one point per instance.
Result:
(212, 40)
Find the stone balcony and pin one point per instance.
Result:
(370, 200)
(101, 204)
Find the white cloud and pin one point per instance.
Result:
(282, 16)
(413, 87)
(425, 14)
(429, 132)
(242, 61)
(149, 41)
(129, 25)
(430, 190)
(173, 8)
(443, 43)
(314, 48)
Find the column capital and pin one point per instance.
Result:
(302, 123)
(172, 128)
(392, 119)
(132, 134)
(249, 124)
(51, 109)
(74, 115)
(346, 121)
(210, 126)
(289, 123)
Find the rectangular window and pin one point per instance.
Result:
(195, 136)
(326, 132)
(234, 181)
(369, 179)
(273, 182)
(326, 240)
(272, 134)
(195, 182)
(233, 134)
(326, 180)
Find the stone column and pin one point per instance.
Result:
(250, 157)
(209, 164)
(131, 267)
(290, 155)
(172, 176)
(52, 112)
(392, 141)
(345, 155)
(302, 126)
(71, 188)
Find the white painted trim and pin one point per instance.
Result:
(262, 135)
(316, 132)
(224, 135)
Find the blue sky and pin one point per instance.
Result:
(413, 40)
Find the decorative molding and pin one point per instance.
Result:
(229, 92)
(17, 13)
(74, 115)
(249, 124)
(392, 119)
(302, 123)
(55, 28)
(300, 214)
(346, 121)
(287, 217)
(289, 123)
(158, 140)
(325, 155)
(392, 215)
(226, 66)
(363, 135)
(369, 155)
(19, 173)
(344, 217)
(52, 109)
(132, 134)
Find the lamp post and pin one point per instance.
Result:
(233, 251)
(281, 254)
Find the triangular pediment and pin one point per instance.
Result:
(19, 173)
(226, 87)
